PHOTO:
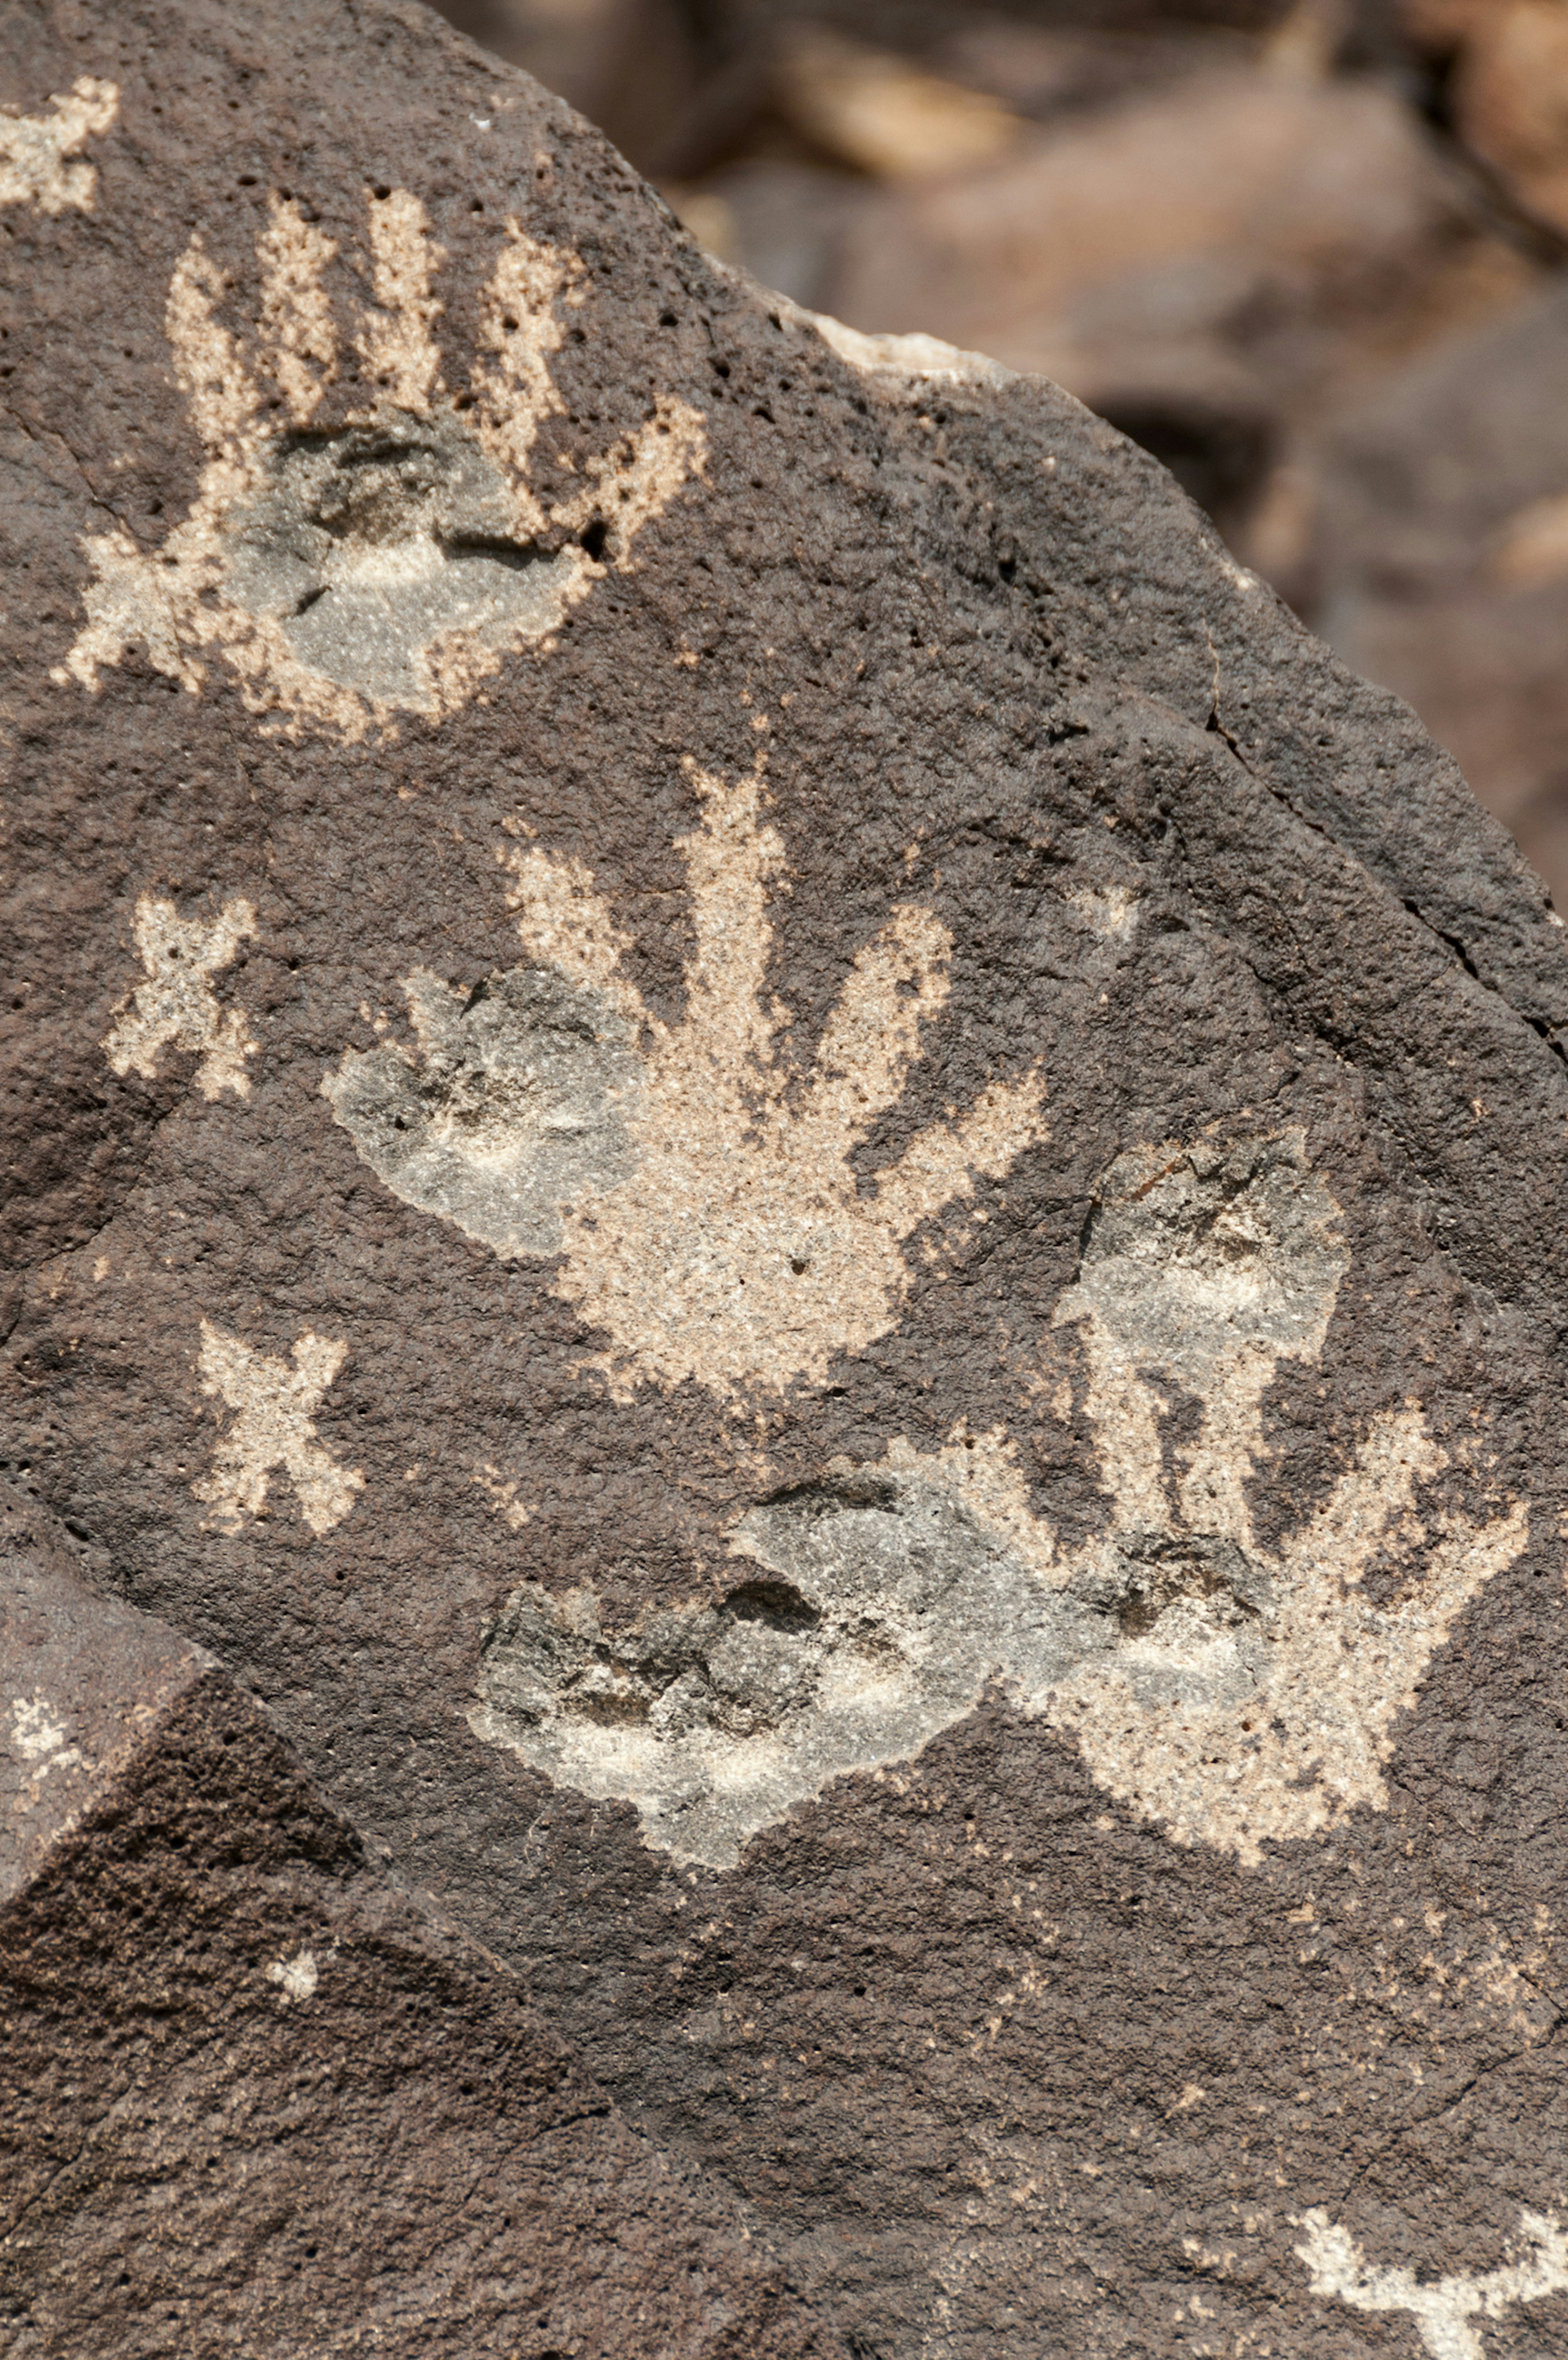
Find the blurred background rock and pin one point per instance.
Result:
(1313, 254)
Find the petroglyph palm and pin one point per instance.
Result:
(1248, 1694)
(393, 562)
(698, 1187)
(1227, 1693)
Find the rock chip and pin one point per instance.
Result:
(810, 1195)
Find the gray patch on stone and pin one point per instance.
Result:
(879, 1609)
(1169, 1595)
(1195, 1253)
(368, 545)
(515, 1107)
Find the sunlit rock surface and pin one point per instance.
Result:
(807, 1200)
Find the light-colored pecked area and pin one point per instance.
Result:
(392, 565)
(1229, 1694)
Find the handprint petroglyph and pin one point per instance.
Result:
(175, 1007)
(391, 564)
(515, 1104)
(1248, 1695)
(1445, 2309)
(1228, 1694)
(700, 1191)
(871, 1610)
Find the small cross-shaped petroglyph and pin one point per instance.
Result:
(275, 1406)
(33, 149)
(392, 561)
(1444, 2310)
(175, 1007)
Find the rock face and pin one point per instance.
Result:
(257, 2099)
(810, 1195)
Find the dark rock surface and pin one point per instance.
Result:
(958, 1075)
(255, 2097)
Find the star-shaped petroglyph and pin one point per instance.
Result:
(176, 1008)
(1227, 1693)
(34, 149)
(391, 564)
(699, 1187)
(275, 1408)
(1444, 2310)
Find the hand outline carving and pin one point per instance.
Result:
(392, 564)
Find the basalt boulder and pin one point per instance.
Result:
(805, 1191)
(256, 2096)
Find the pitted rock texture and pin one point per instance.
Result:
(253, 2097)
(367, 545)
(881, 1611)
(917, 1139)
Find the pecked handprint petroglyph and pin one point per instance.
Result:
(1442, 2310)
(1227, 1694)
(1247, 1694)
(391, 564)
(872, 1607)
(700, 1192)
